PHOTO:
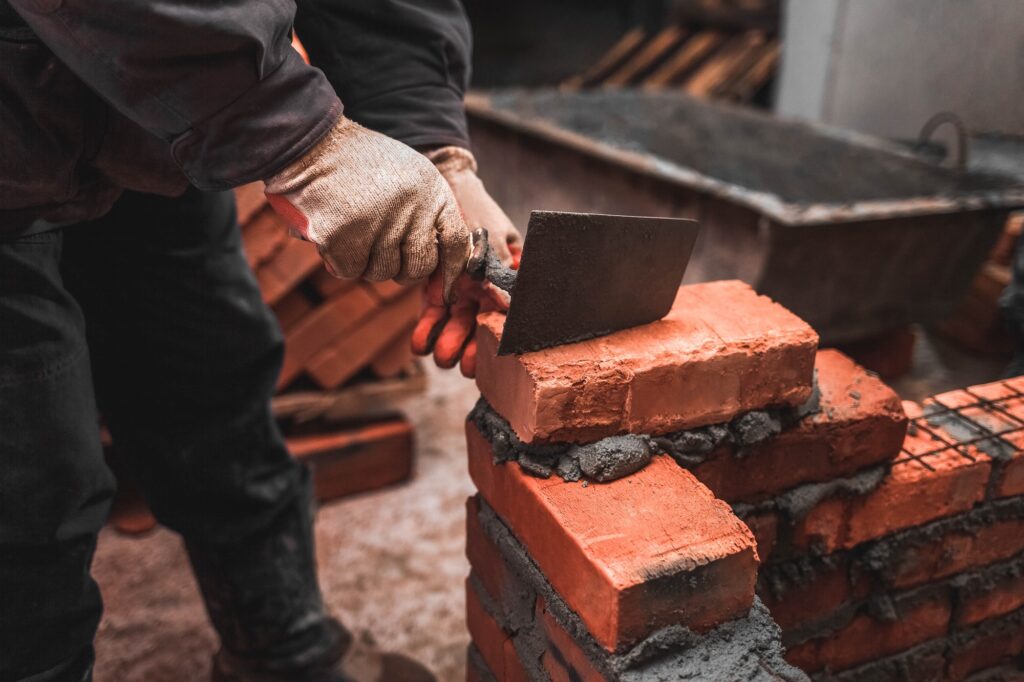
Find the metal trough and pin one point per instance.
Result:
(855, 235)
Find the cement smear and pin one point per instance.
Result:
(617, 456)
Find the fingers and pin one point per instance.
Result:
(504, 238)
(419, 255)
(454, 336)
(428, 328)
(453, 241)
(468, 364)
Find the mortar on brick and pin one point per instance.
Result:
(794, 505)
(746, 648)
(616, 456)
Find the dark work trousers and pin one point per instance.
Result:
(151, 317)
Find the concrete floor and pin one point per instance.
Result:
(391, 562)
(391, 566)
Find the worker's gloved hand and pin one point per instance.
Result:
(458, 167)
(448, 331)
(374, 207)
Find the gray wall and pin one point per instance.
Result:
(885, 66)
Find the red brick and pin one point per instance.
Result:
(677, 556)
(955, 551)
(988, 646)
(396, 358)
(721, 351)
(357, 459)
(804, 601)
(865, 638)
(494, 644)
(995, 408)
(334, 365)
(389, 290)
(329, 286)
(861, 423)
(263, 236)
(1011, 480)
(294, 262)
(323, 328)
(889, 355)
(249, 199)
(291, 309)
(484, 558)
(943, 483)
(1005, 595)
(563, 659)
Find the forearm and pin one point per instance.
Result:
(218, 81)
(401, 66)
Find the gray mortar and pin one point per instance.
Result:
(747, 648)
(780, 578)
(612, 458)
(618, 456)
(796, 503)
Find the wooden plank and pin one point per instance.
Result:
(746, 87)
(646, 57)
(353, 402)
(718, 68)
(609, 61)
(687, 57)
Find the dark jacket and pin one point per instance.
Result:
(98, 95)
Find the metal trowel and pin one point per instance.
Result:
(584, 275)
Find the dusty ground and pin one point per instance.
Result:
(391, 566)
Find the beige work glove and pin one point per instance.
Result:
(374, 207)
(449, 331)
(458, 166)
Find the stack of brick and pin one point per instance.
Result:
(334, 329)
(594, 555)
(889, 553)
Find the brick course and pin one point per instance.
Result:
(678, 556)
(721, 351)
(860, 423)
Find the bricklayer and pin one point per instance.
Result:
(721, 351)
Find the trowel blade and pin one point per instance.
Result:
(584, 275)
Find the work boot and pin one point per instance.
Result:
(261, 594)
(359, 661)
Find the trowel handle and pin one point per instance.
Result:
(484, 264)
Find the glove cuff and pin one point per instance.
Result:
(339, 136)
(451, 160)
